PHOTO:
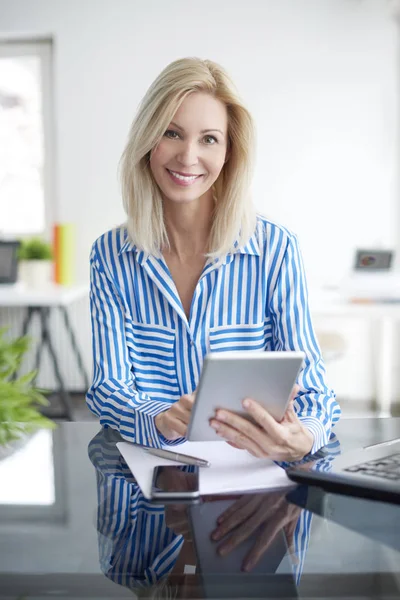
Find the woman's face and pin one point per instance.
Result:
(192, 152)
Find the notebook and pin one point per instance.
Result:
(231, 470)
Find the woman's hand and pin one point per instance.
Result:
(288, 440)
(172, 423)
(177, 519)
(262, 514)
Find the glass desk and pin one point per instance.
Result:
(74, 524)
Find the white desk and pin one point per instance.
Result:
(41, 302)
(51, 295)
(384, 316)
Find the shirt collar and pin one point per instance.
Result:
(129, 246)
(252, 247)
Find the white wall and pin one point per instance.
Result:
(318, 75)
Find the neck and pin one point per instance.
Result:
(188, 226)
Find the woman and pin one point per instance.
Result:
(195, 270)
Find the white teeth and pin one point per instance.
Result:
(184, 177)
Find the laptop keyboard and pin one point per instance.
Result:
(385, 468)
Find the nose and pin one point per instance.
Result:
(187, 155)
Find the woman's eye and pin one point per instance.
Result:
(210, 139)
(171, 134)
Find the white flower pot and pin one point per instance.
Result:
(36, 274)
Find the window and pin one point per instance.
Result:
(25, 110)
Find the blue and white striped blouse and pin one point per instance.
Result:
(147, 353)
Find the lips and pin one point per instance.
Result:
(183, 179)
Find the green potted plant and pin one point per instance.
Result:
(19, 398)
(35, 262)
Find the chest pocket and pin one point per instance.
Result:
(248, 336)
(152, 353)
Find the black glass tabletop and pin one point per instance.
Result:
(75, 524)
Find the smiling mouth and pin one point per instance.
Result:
(183, 178)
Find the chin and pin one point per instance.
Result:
(183, 196)
(182, 199)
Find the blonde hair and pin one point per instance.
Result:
(234, 217)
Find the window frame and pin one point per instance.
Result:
(43, 49)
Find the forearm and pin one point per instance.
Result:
(120, 406)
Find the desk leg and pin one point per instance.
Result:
(384, 366)
(75, 346)
(46, 339)
(27, 320)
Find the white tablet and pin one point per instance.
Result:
(227, 378)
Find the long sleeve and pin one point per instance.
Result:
(136, 548)
(113, 395)
(315, 404)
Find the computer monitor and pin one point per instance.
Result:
(373, 260)
(8, 261)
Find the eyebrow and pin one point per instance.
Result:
(202, 131)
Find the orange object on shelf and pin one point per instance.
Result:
(64, 253)
(56, 254)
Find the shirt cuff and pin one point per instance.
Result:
(318, 430)
(146, 432)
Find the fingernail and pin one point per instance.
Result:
(215, 425)
(222, 550)
(246, 403)
(215, 535)
(247, 566)
(220, 415)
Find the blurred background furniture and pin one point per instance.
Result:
(383, 318)
(333, 345)
(41, 303)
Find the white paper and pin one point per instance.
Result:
(231, 470)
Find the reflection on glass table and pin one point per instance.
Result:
(237, 545)
(324, 545)
(35, 457)
(34, 476)
(266, 543)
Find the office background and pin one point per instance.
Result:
(321, 78)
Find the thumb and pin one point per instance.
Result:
(295, 391)
(290, 414)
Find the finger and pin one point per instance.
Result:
(235, 506)
(295, 391)
(260, 547)
(249, 430)
(268, 503)
(235, 445)
(187, 401)
(241, 533)
(237, 513)
(265, 420)
(290, 413)
(240, 439)
(179, 412)
(183, 406)
(176, 425)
